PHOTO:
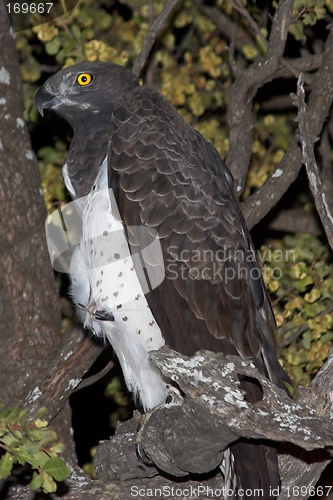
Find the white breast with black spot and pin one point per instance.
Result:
(104, 279)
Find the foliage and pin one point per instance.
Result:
(271, 136)
(115, 391)
(24, 442)
(307, 13)
(299, 274)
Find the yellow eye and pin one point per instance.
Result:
(84, 79)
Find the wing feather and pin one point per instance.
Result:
(173, 180)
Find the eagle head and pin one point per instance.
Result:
(85, 95)
(89, 87)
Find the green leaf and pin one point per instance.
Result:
(23, 414)
(249, 51)
(43, 436)
(34, 434)
(48, 485)
(38, 459)
(6, 465)
(301, 285)
(310, 310)
(22, 455)
(41, 424)
(309, 19)
(306, 340)
(297, 31)
(53, 46)
(36, 482)
(10, 414)
(57, 468)
(320, 12)
(57, 447)
(42, 410)
(9, 440)
(76, 32)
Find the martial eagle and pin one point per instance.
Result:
(165, 178)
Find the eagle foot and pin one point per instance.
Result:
(174, 397)
(139, 450)
(100, 314)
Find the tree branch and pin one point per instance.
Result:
(74, 358)
(307, 140)
(149, 41)
(237, 5)
(326, 164)
(320, 102)
(304, 468)
(210, 384)
(295, 220)
(242, 92)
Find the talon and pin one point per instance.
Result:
(104, 315)
(140, 452)
(174, 396)
(100, 314)
(142, 455)
(169, 399)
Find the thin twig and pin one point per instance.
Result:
(308, 139)
(70, 34)
(237, 5)
(86, 382)
(227, 27)
(157, 25)
(320, 102)
(301, 330)
(326, 164)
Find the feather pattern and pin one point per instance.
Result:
(167, 178)
(190, 202)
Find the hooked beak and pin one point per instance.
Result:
(45, 100)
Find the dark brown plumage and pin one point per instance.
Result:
(166, 176)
